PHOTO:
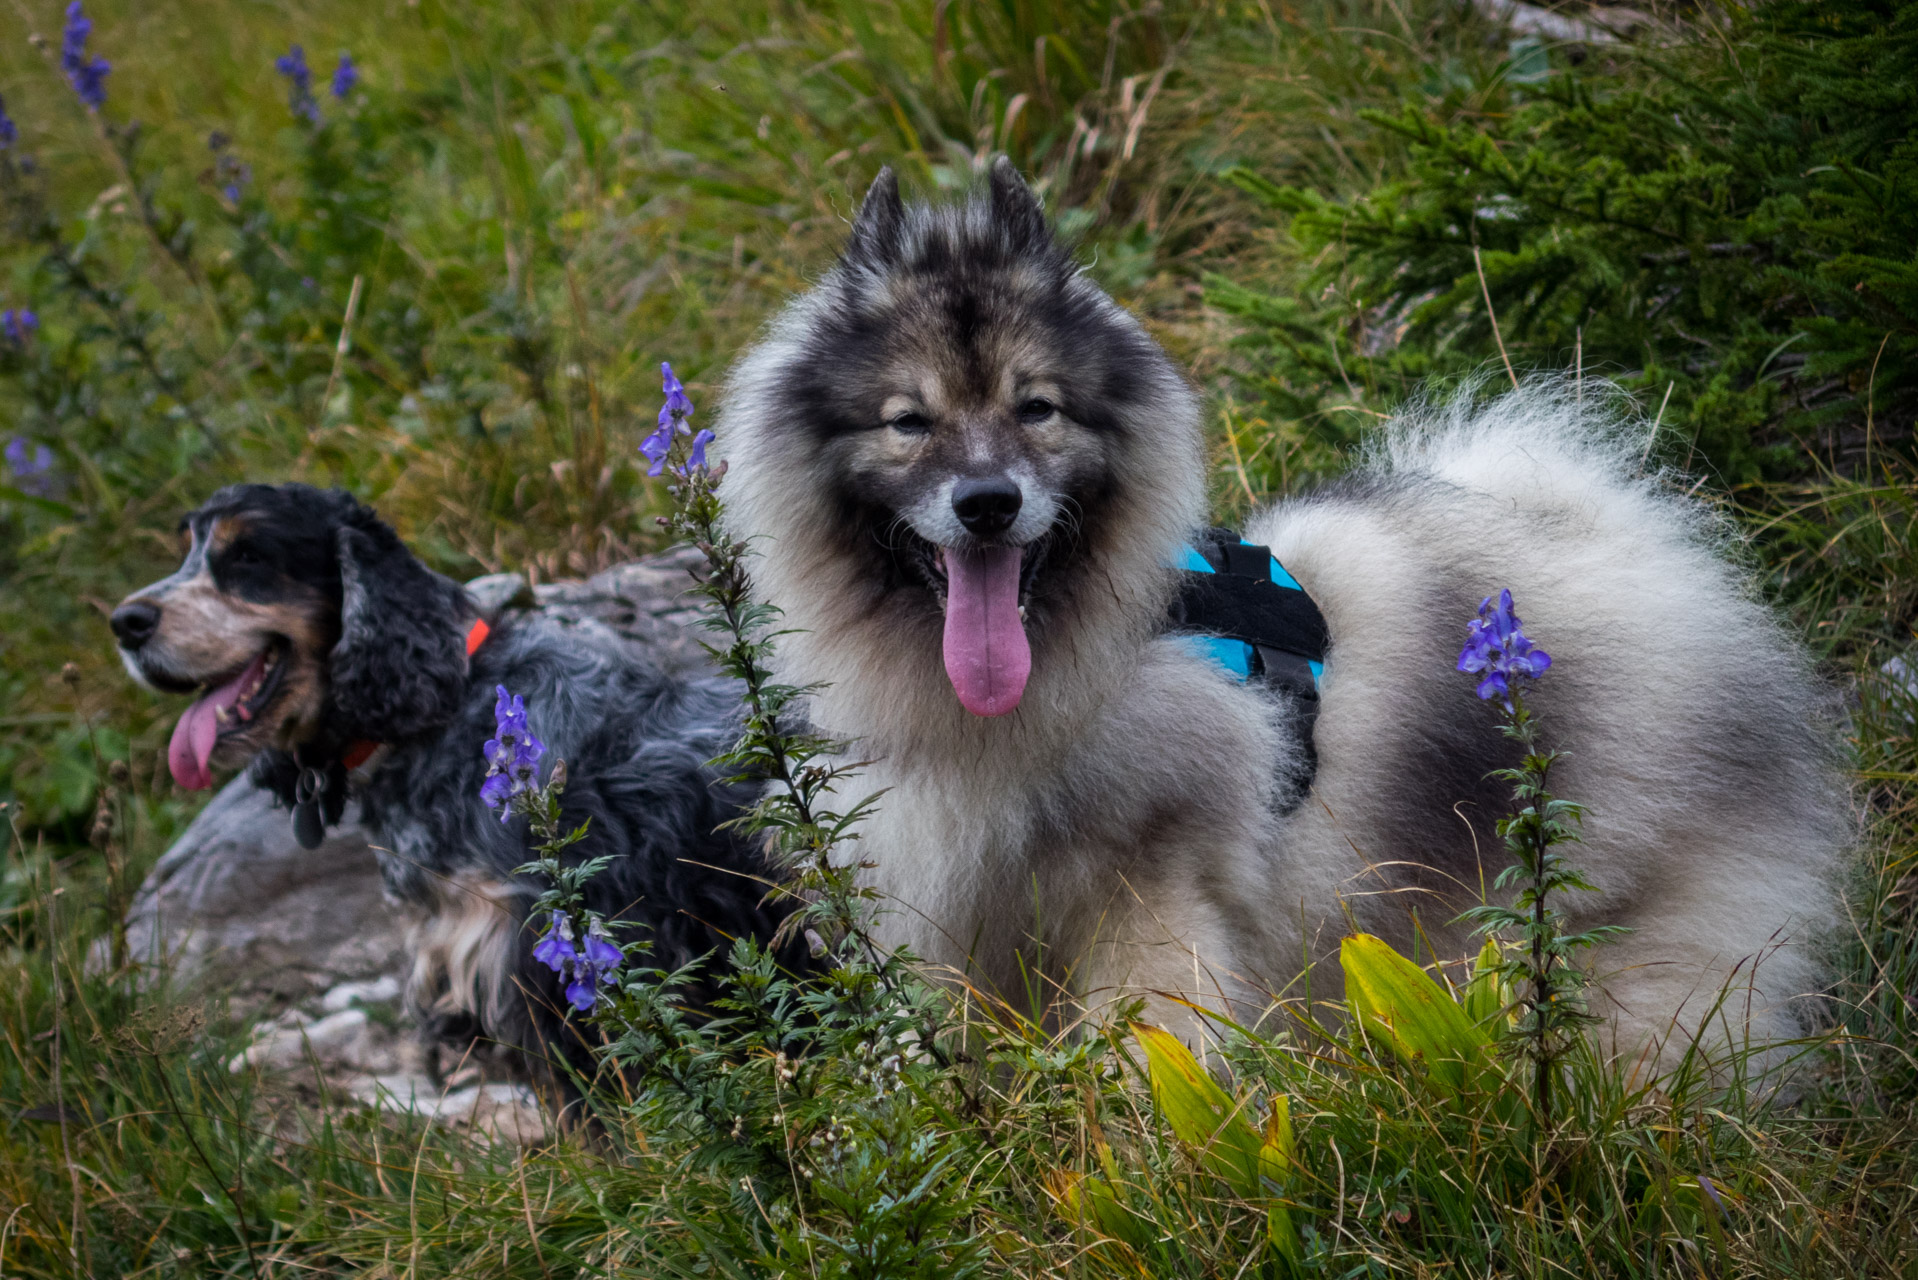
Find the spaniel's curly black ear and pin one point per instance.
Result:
(400, 666)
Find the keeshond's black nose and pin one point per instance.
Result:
(134, 622)
(986, 505)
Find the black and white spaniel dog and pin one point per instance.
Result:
(321, 650)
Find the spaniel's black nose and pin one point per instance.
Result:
(134, 623)
(987, 505)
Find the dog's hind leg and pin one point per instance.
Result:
(1704, 984)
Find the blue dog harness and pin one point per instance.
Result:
(1244, 611)
(1238, 606)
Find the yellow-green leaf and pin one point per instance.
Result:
(1485, 996)
(1283, 1234)
(1400, 1005)
(1276, 1152)
(1202, 1115)
(1093, 1204)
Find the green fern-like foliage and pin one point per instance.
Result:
(1733, 219)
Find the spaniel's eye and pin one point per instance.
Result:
(1037, 409)
(912, 424)
(243, 555)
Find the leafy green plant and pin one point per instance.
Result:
(813, 1096)
(1726, 230)
(1551, 1008)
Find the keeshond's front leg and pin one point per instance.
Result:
(1171, 949)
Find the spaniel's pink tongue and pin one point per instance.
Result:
(199, 728)
(987, 657)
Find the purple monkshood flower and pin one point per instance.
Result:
(597, 966)
(696, 457)
(1497, 647)
(583, 990)
(496, 791)
(593, 964)
(655, 448)
(677, 407)
(672, 417)
(233, 173)
(8, 130)
(19, 324)
(32, 467)
(512, 755)
(86, 75)
(345, 76)
(556, 950)
(292, 65)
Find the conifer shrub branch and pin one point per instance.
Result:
(1729, 217)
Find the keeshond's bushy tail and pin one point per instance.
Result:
(1701, 737)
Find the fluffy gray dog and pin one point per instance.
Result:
(969, 472)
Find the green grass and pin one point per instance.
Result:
(541, 202)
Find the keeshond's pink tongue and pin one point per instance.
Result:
(987, 657)
(199, 728)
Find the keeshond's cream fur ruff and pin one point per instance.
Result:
(1126, 830)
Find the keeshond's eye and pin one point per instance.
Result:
(913, 424)
(1035, 410)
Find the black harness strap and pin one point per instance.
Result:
(1239, 601)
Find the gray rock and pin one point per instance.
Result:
(646, 600)
(494, 592)
(338, 1038)
(237, 904)
(497, 1112)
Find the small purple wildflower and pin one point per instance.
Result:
(672, 417)
(232, 173)
(677, 407)
(292, 65)
(655, 447)
(599, 949)
(583, 990)
(556, 950)
(345, 76)
(496, 790)
(19, 324)
(597, 966)
(593, 965)
(512, 755)
(32, 467)
(86, 75)
(1496, 646)
(696, 458)
(8, 130)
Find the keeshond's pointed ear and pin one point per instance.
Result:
(1014, 208)
(875, 231)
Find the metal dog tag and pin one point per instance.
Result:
(308, 829)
